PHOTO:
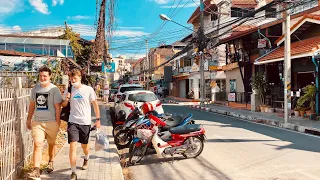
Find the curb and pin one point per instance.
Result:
(182, 103)
(115, 161)
(254, 119)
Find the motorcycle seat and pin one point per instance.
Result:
(185, 129)
(175, 120)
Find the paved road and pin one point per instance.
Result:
(238, 150)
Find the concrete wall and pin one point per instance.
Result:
(234, 74)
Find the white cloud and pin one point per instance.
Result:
(161, 1)
(40, 6)
(88, 30)
(9, 30)
(9, 7)
(182, 5)
(129, 33)
(55, 2)
(131, 55)
(78, 17)
(129, 27)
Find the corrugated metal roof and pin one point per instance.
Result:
(297, 48)
(30, 40)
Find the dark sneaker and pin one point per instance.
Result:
(50, 167)
(85, 164)
(73, 176)
(34, 175)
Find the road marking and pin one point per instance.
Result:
(289, 130)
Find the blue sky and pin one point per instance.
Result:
(136, 20)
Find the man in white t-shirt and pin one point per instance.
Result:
(79, 125)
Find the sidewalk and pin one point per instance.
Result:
(102, 164)
(274, 119)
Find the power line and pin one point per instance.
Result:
(260, 9)
(171, 6)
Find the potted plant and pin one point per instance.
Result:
(259, 85)
(269, 109)
(302, 111)
(308, 99)
(296, 111)
(309, 112)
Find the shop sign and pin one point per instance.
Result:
(110, 68)
(213, 65)
(262, 43)
(232, 97)
(233, 85)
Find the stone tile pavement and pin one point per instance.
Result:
(102, 164)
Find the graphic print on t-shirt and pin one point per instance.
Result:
(77, 96)
(42, 101)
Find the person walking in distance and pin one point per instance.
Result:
(106, 93)
(79, 125)
(44, 119)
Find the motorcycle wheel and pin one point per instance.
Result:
(196, 149)
(116, 130)
(137, 153)
(123, 139)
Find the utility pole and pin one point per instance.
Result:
(148, 65)
(201, 51)
(287, 68)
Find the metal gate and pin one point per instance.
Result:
(15, 140)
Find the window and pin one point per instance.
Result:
(187, 62)
(271, 13)
(142, 97)
(2, 46)
(15, 47)
(53, 50)
(213, 17)
(241, 12)
(131, 88)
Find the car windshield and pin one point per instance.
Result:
(142, 97)
(131, 88)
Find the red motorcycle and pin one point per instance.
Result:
(187, 140)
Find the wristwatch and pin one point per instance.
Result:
(98, 119)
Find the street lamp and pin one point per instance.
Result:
(166, 18)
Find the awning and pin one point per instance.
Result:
(219, 75)
(299, 49)
(32, 40)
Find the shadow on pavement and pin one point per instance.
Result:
(156, 160)
(237, 140)
(298, 141)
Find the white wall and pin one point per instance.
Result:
(234, 74)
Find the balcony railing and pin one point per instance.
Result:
(187, 69)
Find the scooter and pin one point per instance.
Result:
(125, 136)
(132, 117)
(187, 140)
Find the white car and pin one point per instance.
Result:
(132, 99)
(126, 87)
